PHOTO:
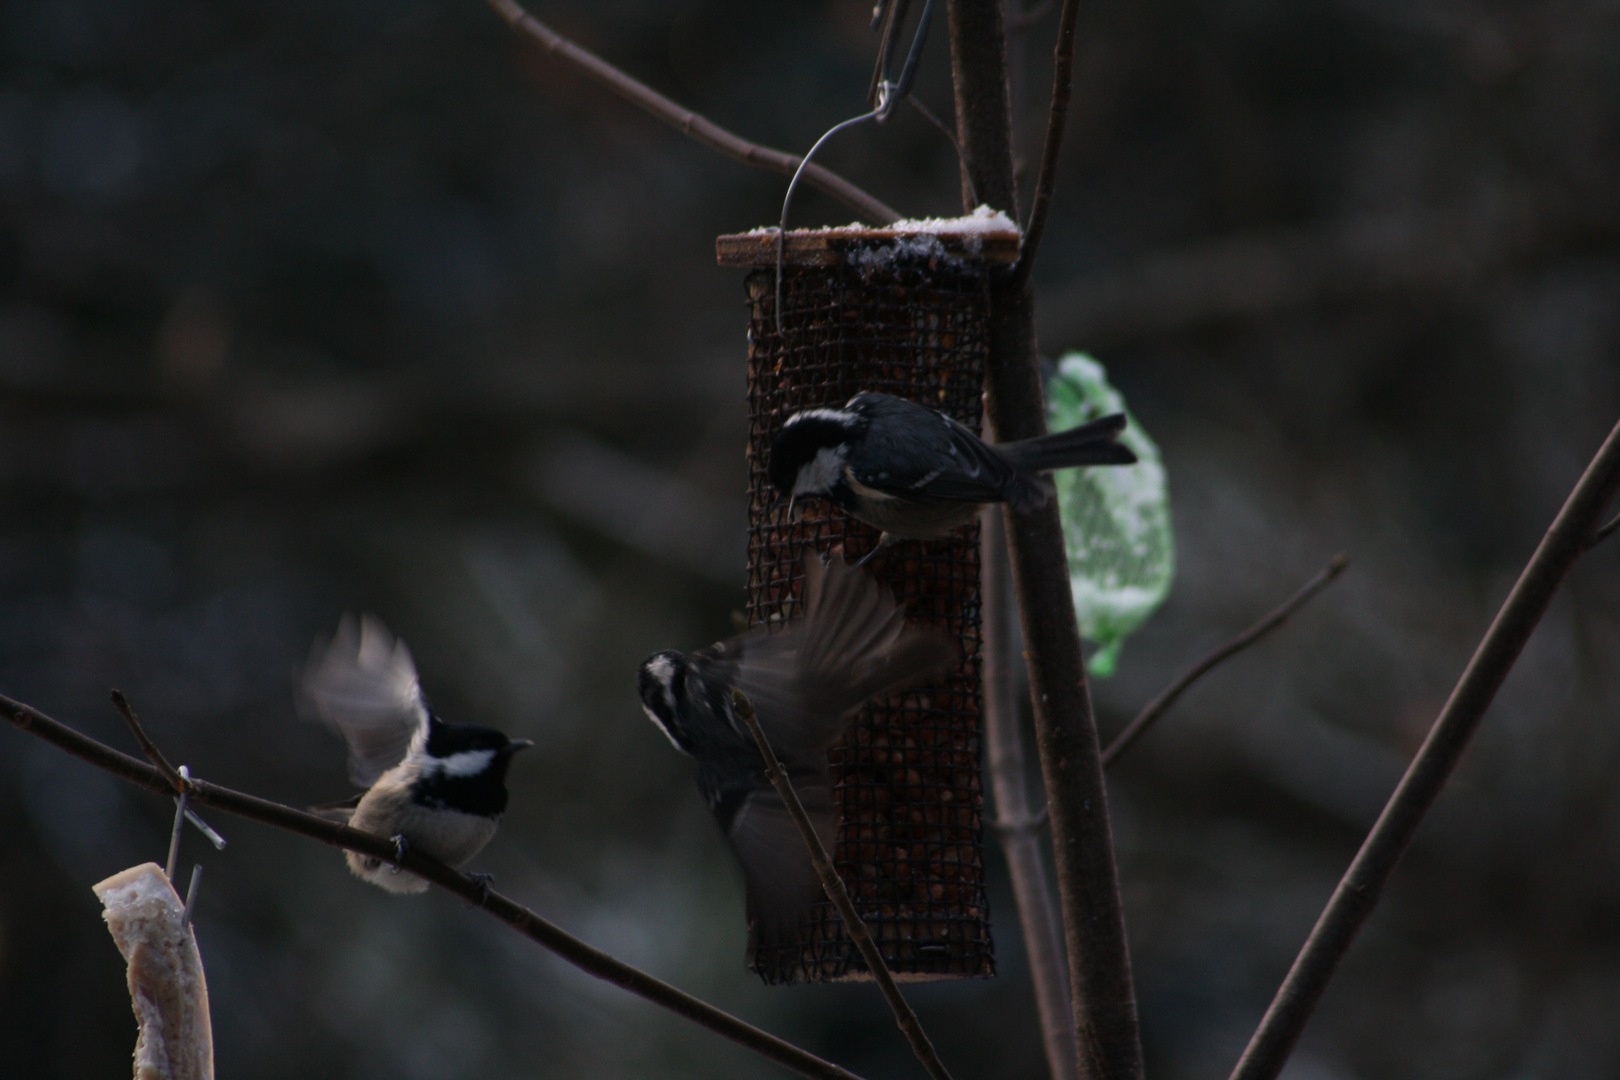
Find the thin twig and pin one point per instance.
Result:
(1046, 179)
(1015, 826)
(839, 895)
(1604, 531)
(700, 128)
(1168, 696)
(944, 129)
(474, 890)
(1358, 892)
(148, 747)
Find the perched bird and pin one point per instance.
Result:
(805, 682)
(915, 473)
(433, 787)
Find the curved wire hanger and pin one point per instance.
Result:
(884, 95)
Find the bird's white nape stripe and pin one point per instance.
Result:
(821, 472)
(662, 668)
(659, 724)
(837, 416)
(466, 763)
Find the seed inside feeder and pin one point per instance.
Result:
(903, 311)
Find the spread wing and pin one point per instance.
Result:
(851, 645)
(782, 885)
(913, 451)
(363, 683)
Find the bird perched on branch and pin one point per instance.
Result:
(433, 787)
(915, 473)
(805, 682)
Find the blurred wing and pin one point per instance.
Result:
(781, 881)
(339, 812)
(851, 645)
(364, 684)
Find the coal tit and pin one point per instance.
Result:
(437, 788)
(805, 682)
(915, 473)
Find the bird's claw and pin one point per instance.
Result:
(883, 541)
(401, 846)
(484, 883)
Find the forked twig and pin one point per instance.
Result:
(839, 895)
(1167, 697)
(148, 747)
(1103, 1001)
(1358, 891)
(474, 890)
(690, 123)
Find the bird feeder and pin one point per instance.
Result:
(904, 311)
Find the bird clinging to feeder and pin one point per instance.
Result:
(915, 473)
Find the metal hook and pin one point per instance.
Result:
(884, 96)
(191, 895)
(179, 821)
(183, 813)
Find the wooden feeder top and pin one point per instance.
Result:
(985, 236)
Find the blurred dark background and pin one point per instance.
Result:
(309, 307)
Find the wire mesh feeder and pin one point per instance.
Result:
(905, 314)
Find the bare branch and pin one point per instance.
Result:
(1103, 998)
(148, 747)
(839, 895)
(1167, 697)
(1057, 117)
(1015, 825)
(703, 130)
(471, 889)
(1358, 892)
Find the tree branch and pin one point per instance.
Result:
(1168, 696)
(1104, 1003)
(474, 891)
(839, 895)
(148, 747)
(1358, 892)
(1057, 117)
(1016, 825)
(690, 123)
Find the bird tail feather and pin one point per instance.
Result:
(1095, 443)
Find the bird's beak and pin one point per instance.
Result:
(791, 499)
(517, 744)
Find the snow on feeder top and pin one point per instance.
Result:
(903, 310)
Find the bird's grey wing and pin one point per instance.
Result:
(782, 886)
(363, 683)
(851, 645)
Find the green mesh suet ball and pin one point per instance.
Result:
(1116, 520)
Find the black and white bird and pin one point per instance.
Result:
(434, 787)
(805, 682)
(915, 473)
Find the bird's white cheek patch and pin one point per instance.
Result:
(467, 763)
(821, 473)
(661, 727)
